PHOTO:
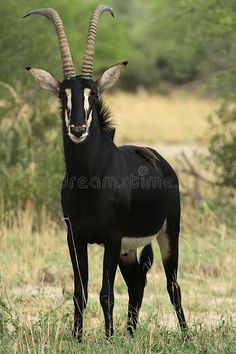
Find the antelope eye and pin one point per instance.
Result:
(92, 93)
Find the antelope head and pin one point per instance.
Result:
(79, 93)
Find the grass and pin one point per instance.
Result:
(143, 117)
(37, 286)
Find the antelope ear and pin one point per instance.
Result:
(110, 76)
(45, 80)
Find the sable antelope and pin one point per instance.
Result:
(142, 202)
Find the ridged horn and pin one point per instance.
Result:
(66, 59)
(87, 66)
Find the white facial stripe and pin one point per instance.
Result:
(86, 108)
(69, 105)
(89, 121)
(68, 94)
(67, 119)
(86, 99)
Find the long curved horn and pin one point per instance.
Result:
(66, 59)
(87, 66)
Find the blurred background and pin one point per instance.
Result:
(177, 94)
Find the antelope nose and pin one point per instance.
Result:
(78, 131)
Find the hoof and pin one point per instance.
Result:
(77, 334)
(109, 334)
(131, 330)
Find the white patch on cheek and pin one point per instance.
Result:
(86, 109)
(89, 121)
(68, 94)
(67, 119)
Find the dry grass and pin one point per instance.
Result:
(37, 287)
(177, 118)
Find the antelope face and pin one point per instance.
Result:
(78, 94)
(78, 101)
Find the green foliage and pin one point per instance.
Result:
(163, 40)
(31, 162)
(158, 39)
(32, 41)
(213, 25)
(223, 145)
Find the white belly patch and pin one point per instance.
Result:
(132, 243)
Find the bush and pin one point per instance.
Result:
(31, 159)
(222, 146)
(215, 24)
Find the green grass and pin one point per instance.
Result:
(50, 332)
(37, 285)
